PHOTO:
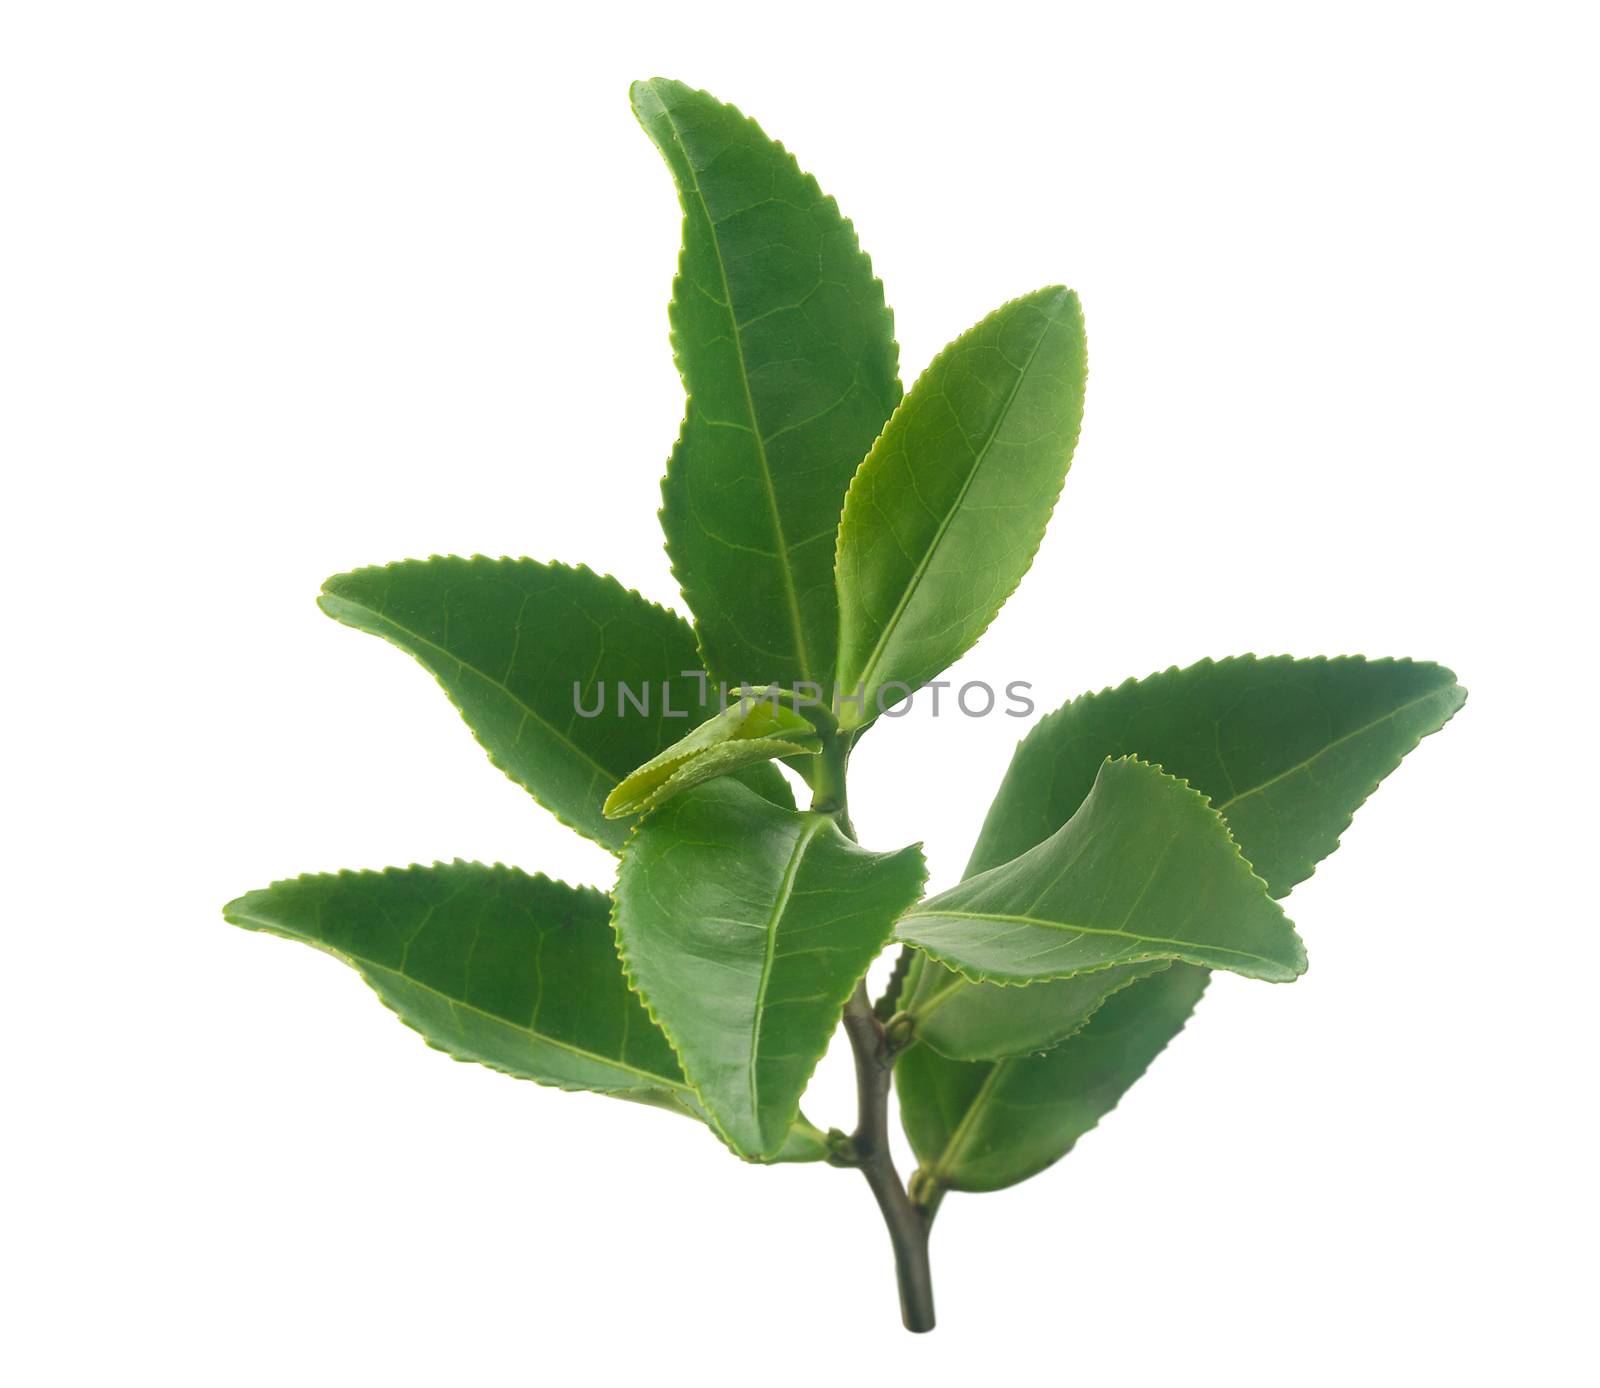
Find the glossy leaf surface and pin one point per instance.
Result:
(985, 1125)
(752, 729)
(567, 679)
(1286, 750)
(745, 927)
(1145, 870)
(944, 516)
(787, 354)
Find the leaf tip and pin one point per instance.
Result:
(648, 95)
(641, 91)
(620, 806)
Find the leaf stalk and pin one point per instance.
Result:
(828, 795)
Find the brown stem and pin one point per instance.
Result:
(868, 1147)
(907, 1223)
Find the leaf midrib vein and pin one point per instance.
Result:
(949, 518)
(958, 1138)
(998, 919)
(779, 905)
(361, 966)
(790, 592)
(489, 679)
(1323, 751)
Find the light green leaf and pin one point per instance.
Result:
(943, 517)
(805, 1142)
(1287, 750)
(977, 1021)
(549, 666)
(745, 927)
(787, 353)
(754, 728)
(1145, 870)
(985, 1125)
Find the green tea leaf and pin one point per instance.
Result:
(1287, 750)
(1145, 870)
(488, 964)
(977, 1021)
(805, 1142)
(515, 972)
(568, 680)
(754, 728)
(985, 1125)
(788, 357)
(745, 927)
(943, 517)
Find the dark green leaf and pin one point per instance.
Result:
(518, 973)
(535, 656)
(753, 728)
(974, 1021)
(491, 965)
(943, 517)
(985, 1125)
(1145, 870)
(1287, 750)
(787, 354)
(745, 927)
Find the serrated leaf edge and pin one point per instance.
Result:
(1099, 1118)
(501, 562)
(712, 1120)
(673, 784)
(665, 1085)
(976, 975)
(680, 275)
(1072, 451)
(1452, 684)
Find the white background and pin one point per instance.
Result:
(289, 289)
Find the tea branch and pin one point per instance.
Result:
(872, 1044)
